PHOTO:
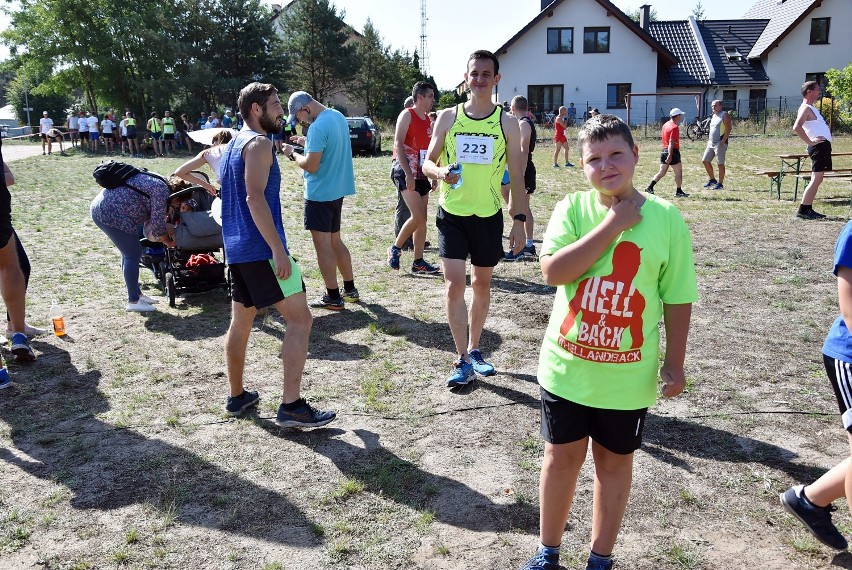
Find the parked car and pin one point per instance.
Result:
(364, 135)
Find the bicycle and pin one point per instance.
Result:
(698, 129)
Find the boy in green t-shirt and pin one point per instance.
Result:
(620, 260)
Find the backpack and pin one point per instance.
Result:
(112, 174)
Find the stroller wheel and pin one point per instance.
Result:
(169, 289)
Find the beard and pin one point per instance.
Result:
(272, 125)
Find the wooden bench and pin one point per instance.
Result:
(829, 174)
(774, 180)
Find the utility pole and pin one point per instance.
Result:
(424, 49)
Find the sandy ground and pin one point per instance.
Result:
(18, 151)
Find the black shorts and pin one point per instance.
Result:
(840, 375)
(323, 216)
(529, 178)
(168, 136)
(131, 132)
(6, 230)
(253, 284)
(463, 236)
(421, 185)
(44, 137)
(84, 135)
(123, 137)
(675, 157)
(564, 421)
(820, 156)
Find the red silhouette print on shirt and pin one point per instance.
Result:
(609, 306)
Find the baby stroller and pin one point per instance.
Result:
(197, 262)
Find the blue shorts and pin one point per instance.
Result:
(93, 135)
(156, 136)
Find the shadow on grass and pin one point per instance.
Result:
(385, 474)
(50, 412)
(667, 438)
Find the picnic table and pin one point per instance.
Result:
(791, 163)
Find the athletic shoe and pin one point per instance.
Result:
(147, 299)
(21, 348)
(816, 519)
(29, 330)
(139, 306)
(510, 256)
(305, 416)
(236, 405)
(393, 257)
(569, 165)
(681, 194)
(462, 374)
(326, 302)
(480, 366)
(542, 561)
(810, 215)
(710, 183)
(555, 165)
(5, 379)
(424, 268)
(718, 186)
(528, 253)
(595, 563)
(649, 190)
(351, 296)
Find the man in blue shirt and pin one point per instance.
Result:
(329, 176)
(262, 270)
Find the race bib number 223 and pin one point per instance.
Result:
(474, 149)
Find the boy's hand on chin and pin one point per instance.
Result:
(624, 212)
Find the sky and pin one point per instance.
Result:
(456, 28)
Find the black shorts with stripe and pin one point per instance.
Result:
(840, 375)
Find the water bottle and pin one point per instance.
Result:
(456, 168)
(57, 318)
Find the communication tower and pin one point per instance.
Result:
(424, 49)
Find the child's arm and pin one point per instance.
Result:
(676, 319)
(844, 294)
(571, 262)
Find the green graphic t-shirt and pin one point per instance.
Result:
(602, 343)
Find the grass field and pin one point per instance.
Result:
(116, 452)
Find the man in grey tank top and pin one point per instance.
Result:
(717, 145)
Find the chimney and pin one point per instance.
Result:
(644, 16)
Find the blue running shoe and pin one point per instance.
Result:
(21, 348)
(816, 519)
(393, 257)
(236, 405)
(542, 560)
(569, 165)
(710, 183)
(528, 253)
(303, 416)
(718, 186)
(598, 563)
(462, 374)
(5, 379)
(424, 268)
(479, 365)
(509, 256)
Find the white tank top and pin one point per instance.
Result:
(818, 127)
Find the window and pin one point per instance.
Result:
(544, 98)
(819, 78)
(616, 94)
(596, 40)
(819, 30)
(729, 99)
(756, 101)
(733, 54)
(560, 40)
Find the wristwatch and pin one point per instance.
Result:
(520, 217)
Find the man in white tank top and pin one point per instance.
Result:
(812, 128)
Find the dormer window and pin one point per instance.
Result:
(733, 54)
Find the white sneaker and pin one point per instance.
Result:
(149, 300)
(140, 307)
(29, 330)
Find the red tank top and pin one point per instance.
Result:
(560, 130)
(417, 140)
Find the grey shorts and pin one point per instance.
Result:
(719, 151)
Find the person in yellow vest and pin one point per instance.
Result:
(717, 145)
(155, 131)
(132, 142)
(482, 139)
(168, 133)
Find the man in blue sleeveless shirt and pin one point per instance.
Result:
(263, 273)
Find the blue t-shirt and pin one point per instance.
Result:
(227, 122)
(838, 343)
(243, 241)
(335, 177)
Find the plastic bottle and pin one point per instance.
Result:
(456, 168)
(57, 318)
